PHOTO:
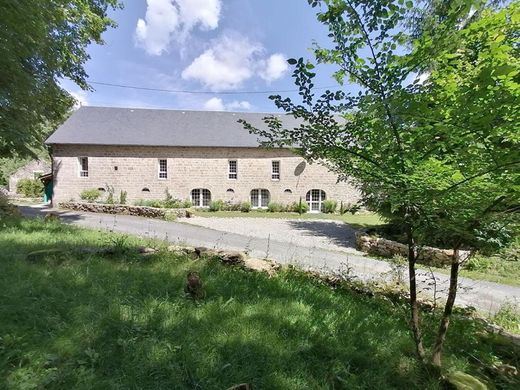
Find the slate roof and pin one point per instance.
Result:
(152, 127)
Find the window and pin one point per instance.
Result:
(275, 170)
(232, 169)
(83, 167)
(259, 198)
(145, 189)
(200, 197)
(163, 169)
(315, 200)
(288, 191)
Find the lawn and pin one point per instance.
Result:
(359, 220)
(85, 321)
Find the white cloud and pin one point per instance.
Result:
(80, 97)
(231, 60)
(166, 20)
(216, 104)
(275, 67)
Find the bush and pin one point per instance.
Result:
(329, 206)
(90, 195)
(349, 208)
(245, 207)
(30, 188)
(300, 207)
(7, 209)
(216, 205)
(274, 207)
(122, 197)
(187, 204)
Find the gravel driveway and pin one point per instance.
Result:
(315, 233)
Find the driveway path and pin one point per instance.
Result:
(485, 296)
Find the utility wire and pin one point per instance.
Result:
(201, 92)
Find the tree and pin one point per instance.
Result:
(42, 42)
(439, 157)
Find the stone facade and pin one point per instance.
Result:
(135, 168)
(31, 170)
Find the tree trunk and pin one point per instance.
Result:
(414, 307)
(445, 321)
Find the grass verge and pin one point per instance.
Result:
(86, 321)
(360, 220)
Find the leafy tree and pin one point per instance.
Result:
(42, 42)
(439, 157)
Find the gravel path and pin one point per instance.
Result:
(315, 233)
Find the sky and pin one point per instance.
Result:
(223, 47)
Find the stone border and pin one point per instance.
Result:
(140, 211)
(426, 255)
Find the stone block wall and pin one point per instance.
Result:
(134, 168)
(140, 211)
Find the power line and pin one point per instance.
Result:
(201, 92)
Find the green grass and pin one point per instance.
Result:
(122, 322)
(360, 220)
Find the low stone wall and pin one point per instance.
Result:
(140, 211)
(387, 248)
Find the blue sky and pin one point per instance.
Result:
(201, 45)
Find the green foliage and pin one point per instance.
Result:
(274, 207)
(329, 206)
(349, 208)
(122, 197)
(186, 204)
(110, 196)
(508, 317)
(7, 209)
(216, 205)
(90, 195)
(300, 207)
(42, 42)
(333, 338)
(245, 207)
(30, 188)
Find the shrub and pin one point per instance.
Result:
(349, 208)
(274, 207)
(30, 188)
(122, 197)
(7, 209)
(187, 204)
(300, 207)
(90, 195)
(216, 205)
(245, 207)
(110, 197)
(329, 206)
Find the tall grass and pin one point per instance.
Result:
(83, 321)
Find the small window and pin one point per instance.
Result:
(275, 170)
(232, 169)
(288, 191)
(101, 189)
(200, 197)
(230, 191)
(145, 189)
(260, 198)
(163, 169)
(83, 167)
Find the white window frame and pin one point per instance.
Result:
(275, 170)
(83, 173)
(232, 171)
(315, 197)
(263, 196)
(202, 197)
(162, 174)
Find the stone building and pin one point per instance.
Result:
(196, 155)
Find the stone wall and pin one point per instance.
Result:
(140, 211)
(386, 248)
(134, 168)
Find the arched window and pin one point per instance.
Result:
(288, 191)
(259, 198)
(315, 200)
(145, 189)
(200, 197)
